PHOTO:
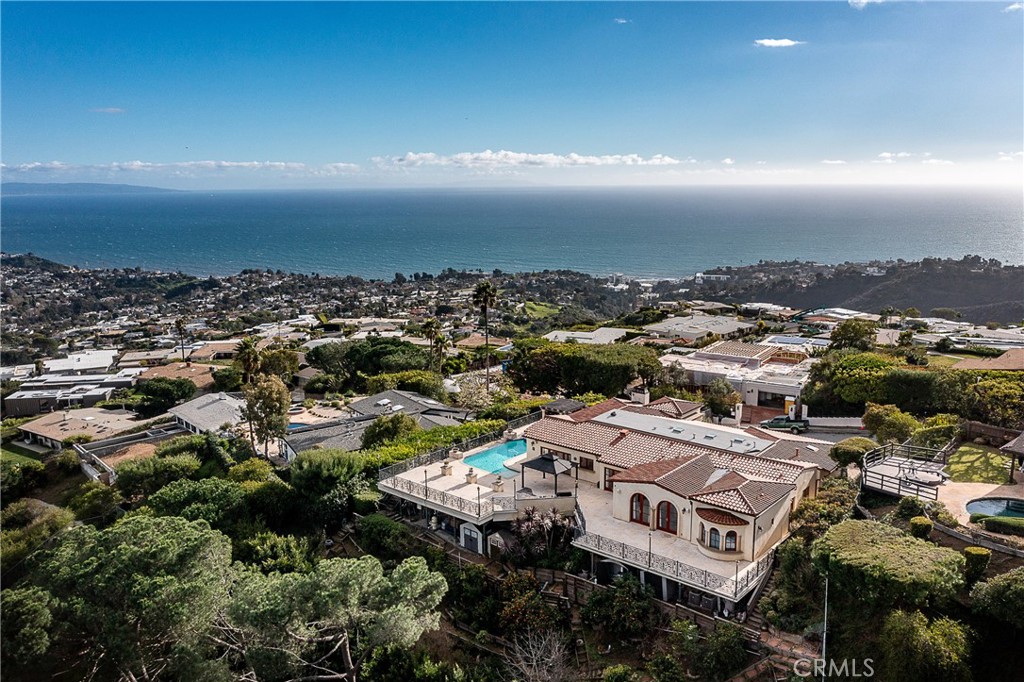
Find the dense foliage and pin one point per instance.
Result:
(1001, 597)
(914, 650)
(883, 565)
(388, 429)
(539, 366)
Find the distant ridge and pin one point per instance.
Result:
(77, 188)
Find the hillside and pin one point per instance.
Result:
(13, 189)
(980, 295)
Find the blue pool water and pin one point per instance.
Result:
(997, 507)
(293, 425)
(493, 458)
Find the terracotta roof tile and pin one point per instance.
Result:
(749, 497)
(722, 518)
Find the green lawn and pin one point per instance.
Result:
(14, 453)
(539, 311)
(972, 463)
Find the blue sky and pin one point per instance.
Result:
(256, 95)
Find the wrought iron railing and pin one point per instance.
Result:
(673, 568)
(442, 454)
(479, 508)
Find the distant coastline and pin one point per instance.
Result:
(21, 189)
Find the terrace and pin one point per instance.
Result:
(661, 553)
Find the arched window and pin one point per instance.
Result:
(702, 534)
(668, 517)
(640, 510)
(730, 541)
(714, 539)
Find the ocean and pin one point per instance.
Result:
(641, 232)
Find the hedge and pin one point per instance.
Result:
(977, 561)
(921, 527)
(978, 517)
(1007, 525)
(365, 503)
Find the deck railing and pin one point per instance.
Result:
(733, 587)
(479, 509)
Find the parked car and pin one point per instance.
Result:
(784, 423)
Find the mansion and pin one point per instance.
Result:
(693, 509)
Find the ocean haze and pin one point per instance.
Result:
(643, 232)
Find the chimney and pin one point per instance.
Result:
(446, 468)
(470, 477)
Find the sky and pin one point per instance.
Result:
(263, 95)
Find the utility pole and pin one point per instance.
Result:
(824, 634)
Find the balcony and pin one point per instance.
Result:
(660, 553)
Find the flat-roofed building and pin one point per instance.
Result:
(53, 429)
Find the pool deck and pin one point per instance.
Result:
(956, 495)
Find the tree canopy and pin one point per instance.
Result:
(539, 366)
(328, 621)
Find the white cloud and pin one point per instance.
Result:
(778, 42)
(1015, 7)
(107, 110)
(1010, 156)
(620, 20)
(833, 162)
(488, 159)
(937, 162)
(728, 161)
(861, 4)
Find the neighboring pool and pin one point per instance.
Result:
(295, 425)
(998, 506)
(492, 459)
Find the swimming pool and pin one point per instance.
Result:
(492, 459)
(997, 506)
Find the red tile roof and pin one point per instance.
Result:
(722, 518)
(746, 497)
(588, 413)
(608, 443)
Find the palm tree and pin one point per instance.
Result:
(179, 326)
(249, 357)
(485, 296)
(432, 333)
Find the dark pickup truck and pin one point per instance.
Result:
(786, 424)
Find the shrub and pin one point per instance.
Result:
(625, 608)
(618, 673)
(977, 561)
(909, 507)
(938, 511)
(78, 438)
(67, 462)
(978, 517)
(146, 476)
(921, 527)
(219, 502)
(17, 544)
(365, 503)
(1004, 524)
(251, 470)
(1001, 597)
(95, 503)
(18, 478)
(852, 450)
(382, 537)
(723, 652)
